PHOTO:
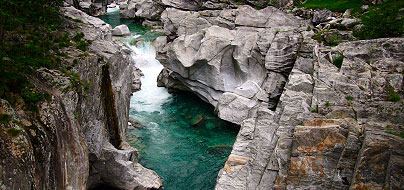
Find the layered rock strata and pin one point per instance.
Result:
(77, 138)
(305, 123)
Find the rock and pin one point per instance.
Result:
(302, 118)
(196, 120)
(112, 5)
(349, 23)
(121, 30)
(234, 108)
(268, 17)
(364, 8)
(146, 9)
(135, 124)
(181, 4)
(322, 153)
(321, 16)
(77, 142)
(347, 13)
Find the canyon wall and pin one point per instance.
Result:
(307, 122)
(76, 140)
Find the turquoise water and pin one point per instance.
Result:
(112, 18)
(182, 139)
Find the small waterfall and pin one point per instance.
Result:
(111, 10)
(150, 98)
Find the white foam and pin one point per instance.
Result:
(111, 10)
(150, 98)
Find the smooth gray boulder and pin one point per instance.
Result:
(121, 30)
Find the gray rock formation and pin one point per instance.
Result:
(121, 30)
(305, 123)
(288, 149)
(144, 9)
(225, 63)
(77, 139)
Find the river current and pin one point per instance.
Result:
(182, 139)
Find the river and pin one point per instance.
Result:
(182, 139)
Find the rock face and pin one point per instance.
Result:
(329, 128)
(77, 139)
(305, 123)
(91, 7)
(146, 9)
(230, 67)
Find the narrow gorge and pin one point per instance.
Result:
(204, 94)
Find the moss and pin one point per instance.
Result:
(386, 45)
(77, 20)
(337, 61)
(314, 111)
(82, 45)
(13, 132)
(395, 133)
(349, 97)
(5, 118)
(394, 97)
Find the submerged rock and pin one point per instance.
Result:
(219, 149)
(196, 120)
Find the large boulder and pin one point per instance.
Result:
(210, 58)
(121, 30)
(143, 9)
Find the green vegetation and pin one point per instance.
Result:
(393, 96)
(327, 103)
(337, 61)
(385, 20)
(28, 40)
(314, 111)
(83, 44)
(13, 132)
(395, 133)
(349, 97)
(4, 118)
(333, 5)
(362, 88)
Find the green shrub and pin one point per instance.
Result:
(385, 20)
(82, 45)
(4, 118)
(349, 97)
(393, 96)
(337, 61)
(28, 40)
(333, 5)
(395, 133)
(78, 37)
(13, 132)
